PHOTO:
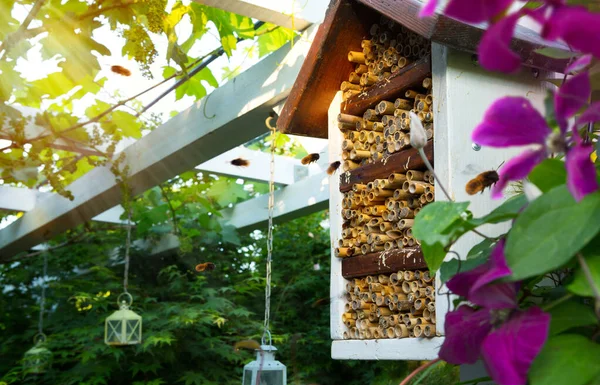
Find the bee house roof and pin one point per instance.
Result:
(346, 24)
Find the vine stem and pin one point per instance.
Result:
(557, 302)
(419, 370)
(588, 276)
(439, 183)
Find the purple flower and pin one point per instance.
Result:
(494, 48)
(513, 121)
(470, 11)
(575, 26)
(506, 338)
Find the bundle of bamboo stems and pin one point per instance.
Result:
(399, 305)
(390, 48)
(379, 215)
(384, 129)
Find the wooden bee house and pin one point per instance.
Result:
(372, 64)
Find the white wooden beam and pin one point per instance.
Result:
(293, 14)
(297, 200)
(285, 167)
(238, 111)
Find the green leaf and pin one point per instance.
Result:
(567, 359)
(549, 174)
(555, 53)
(570, 314)
(550, 231)
(272, 41)
(580, 284)
(482, 249)
(224, 191)
(505, 212)
(431, 227)
(128, 124)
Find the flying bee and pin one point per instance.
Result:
(310, 158)
(240, 162)
(333, 167)
(120, 70)
(206, 266)
(482, 181)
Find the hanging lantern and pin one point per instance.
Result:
(266, 370)
(37, 360)
(123, 327)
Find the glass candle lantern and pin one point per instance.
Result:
(123, 327)
(37, 360)
(265, 370)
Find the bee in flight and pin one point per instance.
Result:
(481, 182)
(240, 162)
(310, 158)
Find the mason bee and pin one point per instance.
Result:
(206, 266)
(333, 167)
(481, 182)
(240, 162)
(310, 158)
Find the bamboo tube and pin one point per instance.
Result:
(359, 154)
(346, 335)
(356, 57)
(427, 277)
(350, 323)
(394, 234)
(351, 119)
(414, 286)
(371, 115)
(405, 223)
(409, 275)
(383, 311)
(418, 330)
(342, 252)
(401, 331)
(360, 69)
(354, 78)
(431, 306)
(367, 79)
(427, 83)
(396, 180)
(399, 243)
(346, 126)
(405, 287)
(385, 107)
(346, 86)
(401, 194)
(429, 197)
(429, 99)
(412, 175)
(350, 165)
(411, 94)
(427, 314)
(403, 104)
(429, 330)
(402, 62)
(360, 305)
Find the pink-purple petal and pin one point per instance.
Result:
(511, 121)
(581, 173)
(516, 169)
(461, 283)
(509, 350)
(484, 292)
(571, 97)
(428, 9)
(591, 115)
(466, 328)
(494, 48)
(579, 64)
(476, 11)
(576, 26)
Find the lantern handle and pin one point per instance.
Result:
(39, 338)
(127, 301)
(262, 340)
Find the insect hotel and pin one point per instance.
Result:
(372, 64)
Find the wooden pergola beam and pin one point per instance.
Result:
(234, 114)
(286, 13)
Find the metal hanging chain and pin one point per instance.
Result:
(43, 299)
(127, 244)
(266, 331)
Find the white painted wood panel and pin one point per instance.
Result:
(338, 283)
(462, 92)
(387, 349)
